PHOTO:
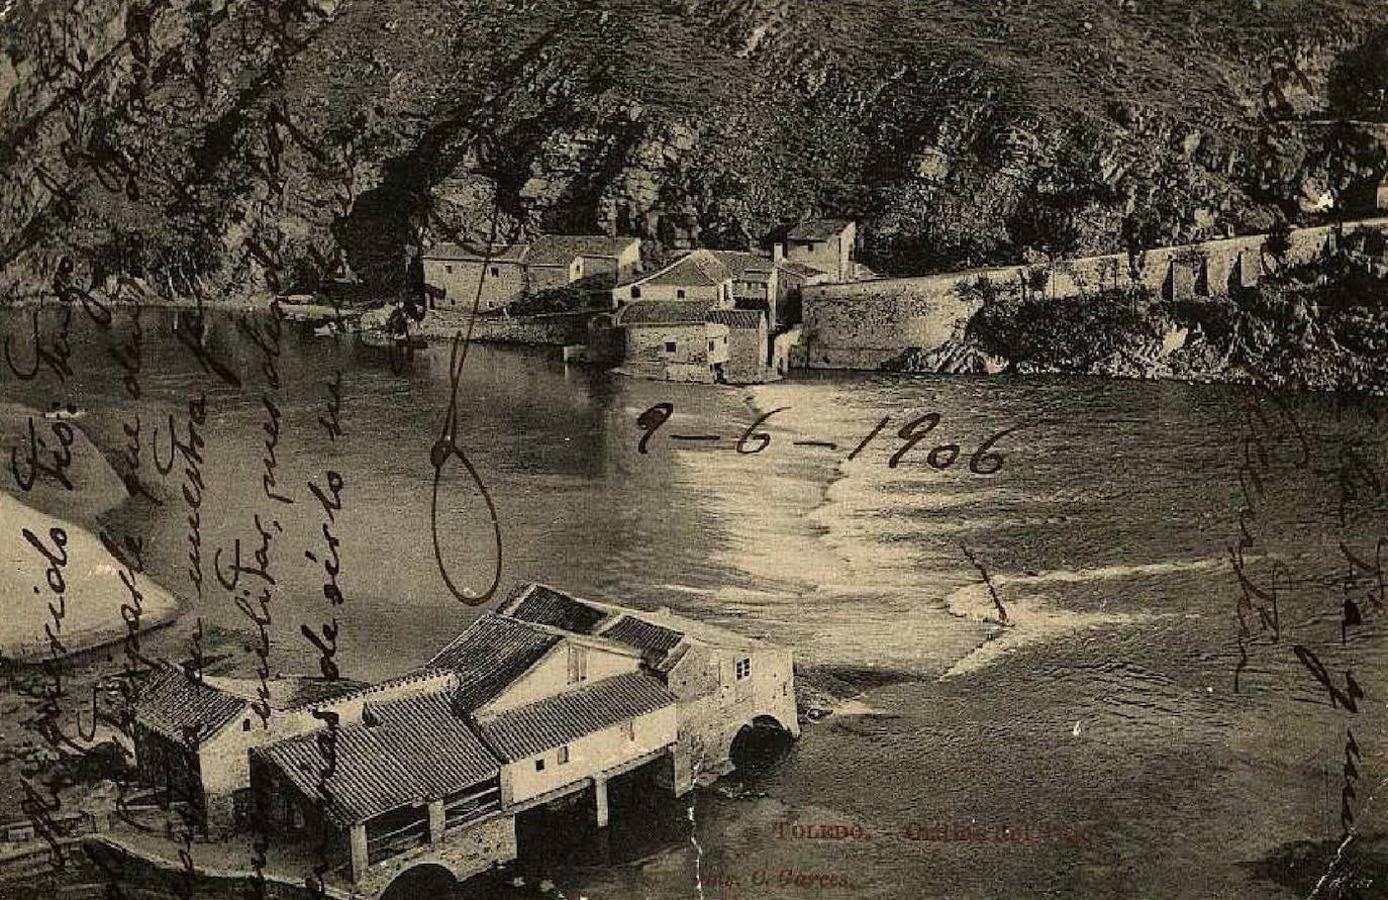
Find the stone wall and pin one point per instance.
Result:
(465, 852)
(860, 325)
(864, 329)
(649, 353)
(747, 356)
(557, 330)
(504, 282)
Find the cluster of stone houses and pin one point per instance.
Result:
(706, 316)
(461, 276)
(547, 698)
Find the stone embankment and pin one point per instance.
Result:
(863, 325)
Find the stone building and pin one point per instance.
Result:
(547, 700)
(748, 346)
(674, 340)
(749, 280)
(453, 274)
(190, 743)
(722, 680)
(697, 275)
(828, 245)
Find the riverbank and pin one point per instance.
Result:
(1314, 327)
(95, 607)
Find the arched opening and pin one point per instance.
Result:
(422, 882)
(759, 746)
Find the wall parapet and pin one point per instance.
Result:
(861, 324)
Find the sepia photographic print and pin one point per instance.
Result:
(693, 449)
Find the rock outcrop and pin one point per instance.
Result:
(237, 146)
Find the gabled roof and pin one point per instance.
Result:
(545, 606)
(491, 654)
(419, 749)
(817, 229)
(512, 253)
(654, 641)
(737, 318)
(180, 708)
(665, 312)
(549, 723)
(800, 270)
(744, 266)
(622, 630)
(698, 268)
(563, 249)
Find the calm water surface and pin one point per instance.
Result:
(1100, 726)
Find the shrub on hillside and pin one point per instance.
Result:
(1064, 333)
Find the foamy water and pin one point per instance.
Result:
(1105, 702)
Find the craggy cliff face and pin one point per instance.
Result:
(245, 145)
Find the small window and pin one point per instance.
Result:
(744, 668)
(245, 724)
(563, 754)
(669, 346)
(635, 293)
(540, 764)
(448, 269)
(679, 293)
(711, 345)
(495, 271)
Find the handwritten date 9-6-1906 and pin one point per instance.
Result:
(982, 460)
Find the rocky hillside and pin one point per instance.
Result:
(235, 145)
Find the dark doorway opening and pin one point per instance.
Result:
(428, 880)
(759, 747)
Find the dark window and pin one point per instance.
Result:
(448, 269)
(495, 271)
(710, 346)
(669, 346)
(563, 754)
(540, 765)
(578, 664)
(744, 668)
(679, 293)
(635, 293)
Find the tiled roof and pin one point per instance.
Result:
(545, 724)
(546, 250)
(418, 750)
(491, 654)
(500, 253)
(737, 318)
(817, 229)
(745, 266)
(561, 249)
(800, 270)
(180, 708)
(666, 312)
(698, 268)
(654, 642)
(547, 606)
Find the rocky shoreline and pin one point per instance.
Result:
(1318, 327)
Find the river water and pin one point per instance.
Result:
(1099, 725)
